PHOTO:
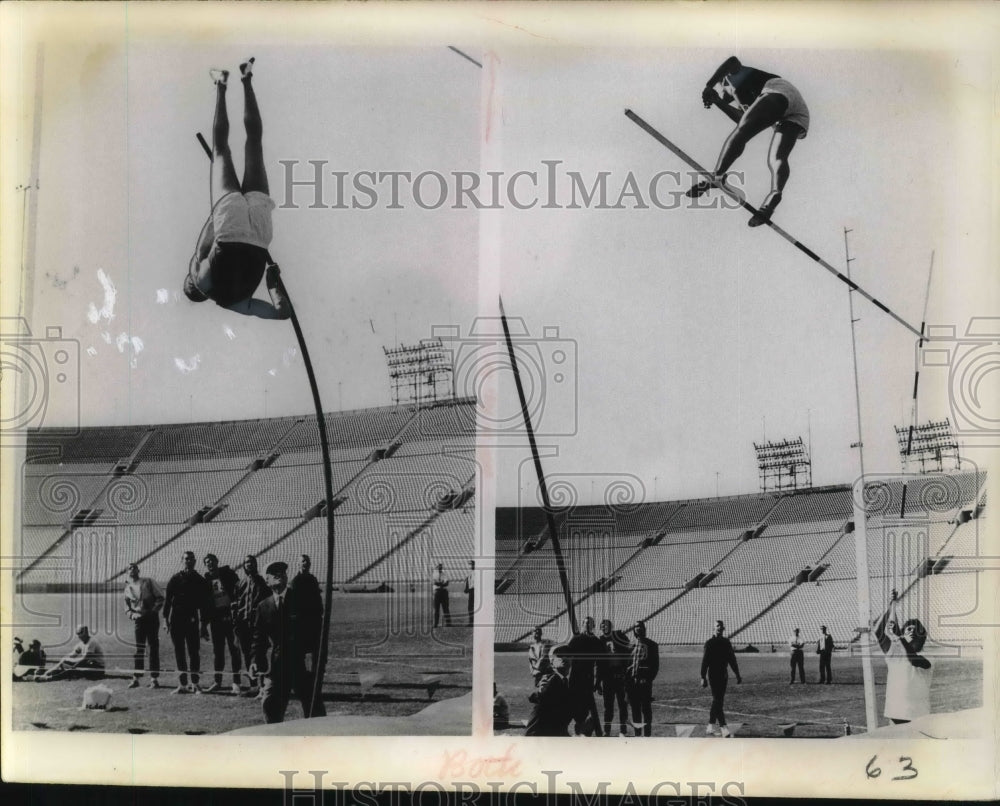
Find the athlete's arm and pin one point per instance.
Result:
(730, 65)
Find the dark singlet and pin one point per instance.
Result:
(236, 271)
(747, 83)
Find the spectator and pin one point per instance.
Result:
(143, 602)
(439, 585)
(797, 662)
(278, 649)
(306, 588)
(824, 647)
(585, 649)
(553, 703)
(644, 665)
(501, 710)
(185, 607)
(715, 662)
(222, 582)
(86, 660)
(250, 592)
(538, 656)
(470, 589)
(30, 663)
(611, 668)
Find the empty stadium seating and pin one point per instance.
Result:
(755, 585)
(233, 488)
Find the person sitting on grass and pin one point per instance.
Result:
(85, 661)
(30, 662)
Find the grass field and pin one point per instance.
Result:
(765, 701)
(385, 660)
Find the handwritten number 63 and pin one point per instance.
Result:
(907, 768)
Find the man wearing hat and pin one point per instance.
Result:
(554, 705)
(278, 648)
(86, 660)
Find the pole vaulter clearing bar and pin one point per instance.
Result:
(753, 210)
(556, 548)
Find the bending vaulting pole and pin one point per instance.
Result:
(319, 652)
(556, 548)
(801, 247)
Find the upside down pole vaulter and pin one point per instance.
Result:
(642, 124)
(556, 548)
(319, 651)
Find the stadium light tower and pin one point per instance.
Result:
(783, 465)
(419, 373)
(932, 445)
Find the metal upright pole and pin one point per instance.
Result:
(861, 533)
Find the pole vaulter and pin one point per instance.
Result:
(642, 124)
(556, 548)
(227, 267)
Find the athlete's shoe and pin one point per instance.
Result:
(766, 210)
(194, 688)
(214, 687)
(219, 77)
(711, 729)
(154, 683)
(726, 733)
(134, 683)
(181, 689)
(235, 688)
(246, 69)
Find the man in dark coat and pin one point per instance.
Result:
(824, 647)
(184, 608)
(715, 663)
(306, 588)
(611, 669)
(278, 643)
(222, 582)
(585, 649)
(553, 702)
(250, 592)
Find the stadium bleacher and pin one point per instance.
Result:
(796, 567)
(94, 501)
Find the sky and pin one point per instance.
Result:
(658, 344)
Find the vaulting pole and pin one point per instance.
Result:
(801, 247)
(319, 652)
(916, 368)
(556, 548)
